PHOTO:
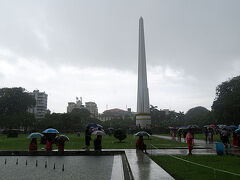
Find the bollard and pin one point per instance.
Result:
(17, 162)
(5, 161)
(45, 164)
(36, 163)
(63, 167)
(54, 166)
(26, 162)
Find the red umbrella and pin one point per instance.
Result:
(212, 125)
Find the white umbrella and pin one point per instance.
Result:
(101, 133)
(142, 133)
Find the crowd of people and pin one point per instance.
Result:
(52, 138)
(225, 132)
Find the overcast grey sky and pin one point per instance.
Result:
(70, 48)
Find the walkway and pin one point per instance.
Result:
(197, 142)
(143, 167)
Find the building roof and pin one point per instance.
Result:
(115, 110)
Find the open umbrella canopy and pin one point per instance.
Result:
(101, 133)
(35, 135)
(94, 125)
(142, 133)
(237, 130)
(232, 127)
(61, 138)
(50, 130)
(206, 126)
(221, 126)
(182, 128)
(212, 125)
(192, 127)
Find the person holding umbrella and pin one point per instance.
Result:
(33, 143)
(98, 139)
(50, 134)
(87, 138)
(60, 141)
(140, 145)
(98, 143)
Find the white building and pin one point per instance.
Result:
(92, 108)
(116, 114)
(40, 109)
(72, 105)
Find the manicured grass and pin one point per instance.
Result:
(183, 170)
(108, 142)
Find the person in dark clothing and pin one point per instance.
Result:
(224, 135)
(33, 145)
(179, 134)
(98, 143)
(206, 134)
(88, 133)
(140, 144)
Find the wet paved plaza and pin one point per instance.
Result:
(58, 167)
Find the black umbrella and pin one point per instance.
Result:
(193, 127)
(61, 138)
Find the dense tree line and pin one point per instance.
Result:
(226, 106)
(14, 103)
(68, 122)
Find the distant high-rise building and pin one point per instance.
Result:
(40, 109)
(77, 105)
(143, 117)
(92, 108)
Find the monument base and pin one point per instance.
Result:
(143, 120)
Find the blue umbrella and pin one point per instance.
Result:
(93, 125)
(232, 127)
(50, 130)
(35, 135)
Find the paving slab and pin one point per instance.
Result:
(144, 168)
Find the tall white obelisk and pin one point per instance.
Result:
(143, 117)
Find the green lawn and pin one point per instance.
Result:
(183, 170)
(108, 142)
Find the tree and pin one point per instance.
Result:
(14, 103)
(15, 100)
(120, 134)
(226, 106)
(198, 115)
